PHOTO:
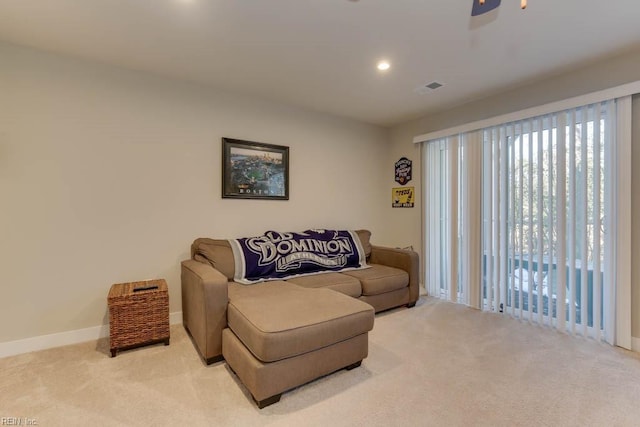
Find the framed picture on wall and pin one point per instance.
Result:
(253, 170)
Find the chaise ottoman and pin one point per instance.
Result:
(281, 336)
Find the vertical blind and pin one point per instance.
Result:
(520, 219)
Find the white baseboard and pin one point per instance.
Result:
(42, 342)
(175, 318)
(635, 344)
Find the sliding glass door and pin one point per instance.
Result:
(545, 210)
(522, 213)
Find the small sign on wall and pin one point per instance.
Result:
(403, 171)
(403, 197)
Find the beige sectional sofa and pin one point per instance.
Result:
(280, 334)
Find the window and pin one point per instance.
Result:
(521, 219)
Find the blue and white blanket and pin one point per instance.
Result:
(277, 256)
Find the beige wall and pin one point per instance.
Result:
(609, 73)
(107, 176)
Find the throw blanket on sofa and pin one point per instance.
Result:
(276, 256)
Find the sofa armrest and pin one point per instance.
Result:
(403, 259)
(204, 307)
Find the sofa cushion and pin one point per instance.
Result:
(337, 281)
(365, 240)
(276, 320)
(379, 279)
(215, 252)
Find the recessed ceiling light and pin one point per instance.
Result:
(383, 65)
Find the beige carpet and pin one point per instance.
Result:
(437, 364)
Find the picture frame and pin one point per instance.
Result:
(254, 170)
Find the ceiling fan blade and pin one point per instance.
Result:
(479, 9)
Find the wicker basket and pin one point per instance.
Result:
(138, 314)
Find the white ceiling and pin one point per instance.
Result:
(321, 54)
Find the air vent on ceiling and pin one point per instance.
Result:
(421, 90)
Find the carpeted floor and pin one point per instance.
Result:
(438, 364)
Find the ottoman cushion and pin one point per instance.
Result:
(277, 320)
